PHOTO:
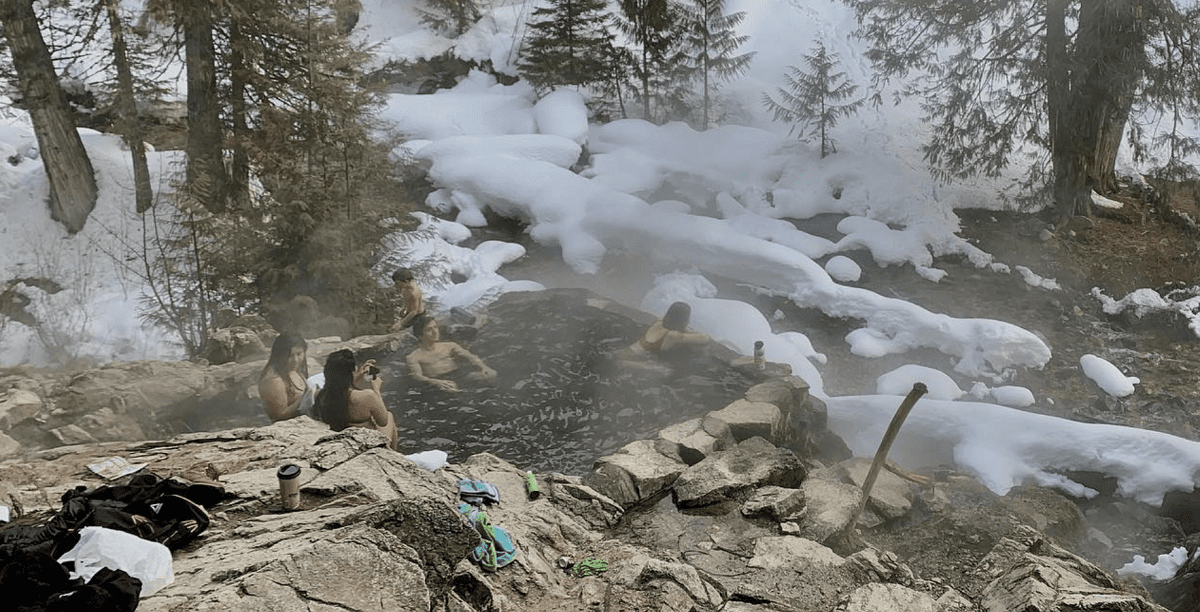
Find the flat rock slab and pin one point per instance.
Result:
(752, 463)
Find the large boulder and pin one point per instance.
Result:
(879, 597)
(746, 419)
(829, 507)
(891, 496)
(1028, 572)
(16, 405)
(778, 503)
(693, 440)
(234, 344)
(634, 473)
(753, 463)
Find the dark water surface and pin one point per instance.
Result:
(561, 399)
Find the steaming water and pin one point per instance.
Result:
(561, 399)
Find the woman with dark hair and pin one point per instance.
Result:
(667, 335)
(352, 396)
(283, 383)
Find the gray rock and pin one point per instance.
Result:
(797, 554)
(17, 405)
(779, 503)
(830, 505)
(691, 443)
(755, 462)
(634, 473)
(69, 435)
(787, 393)
(1028, 572)
(747, 420)
(235, 343)
(8, 446)
(681, 574)
(891, 496)
(877, 597)
(881, 566)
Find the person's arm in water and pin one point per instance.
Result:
(414, 372)
(273, 391)
(474, 360)
(676, 338)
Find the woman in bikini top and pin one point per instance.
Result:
(670, 331)
(352, 397)
(283, 383)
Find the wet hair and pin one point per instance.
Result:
(402, 275)
(281, 349)
(677, 317)
(418, 324)
(333, 400)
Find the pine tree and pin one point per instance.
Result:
(303, 119)
(655, 27)
(711, 42)
(450, 17)
(567, 43)
(815, 100)
(1062, 76)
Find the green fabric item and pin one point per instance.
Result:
(589, 567)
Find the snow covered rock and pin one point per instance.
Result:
(1107, 376)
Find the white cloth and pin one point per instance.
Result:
(100, 547)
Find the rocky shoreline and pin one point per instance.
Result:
(741, 509)
(754, 510)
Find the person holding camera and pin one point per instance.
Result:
(353, 397)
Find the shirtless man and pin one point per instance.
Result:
(412, 301)
(432, 359)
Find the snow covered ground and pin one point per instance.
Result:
(691, 206)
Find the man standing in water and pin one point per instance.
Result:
(433, 359)
(412, 301)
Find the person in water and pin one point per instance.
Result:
(412, 301)
(353, 397)
(283, 383)
(433, 359)
(667, 335)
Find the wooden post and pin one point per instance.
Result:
(889, 436)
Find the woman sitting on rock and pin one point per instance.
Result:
(283, 383)
(433, 360)
(352, 397)
(667, 335)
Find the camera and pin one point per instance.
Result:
(373, 371)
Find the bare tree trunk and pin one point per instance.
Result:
(143, 194)
(1111, 44)
(206, 179)
(239, 191)
(1070, 163)
(68, 169)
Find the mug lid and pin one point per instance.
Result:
(289, 471)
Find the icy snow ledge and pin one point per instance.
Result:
(1144, 301)
(527, 177)
(1004, 447)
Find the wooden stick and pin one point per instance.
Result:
(889, 436)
